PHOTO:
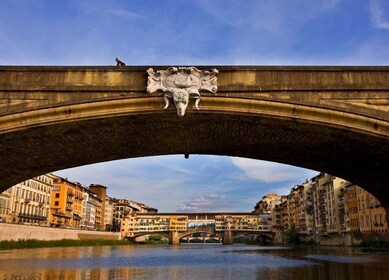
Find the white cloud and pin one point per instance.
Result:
(206, 203)
(271, 172)
(379, 14)
(202, 183)
(163, 182)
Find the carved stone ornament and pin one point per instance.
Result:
(181, 84)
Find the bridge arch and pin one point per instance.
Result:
(163, 234)
(290, 122)
(191, 232)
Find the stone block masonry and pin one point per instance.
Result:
(24, 232)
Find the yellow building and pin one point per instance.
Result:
(372, 216)
(178, 223)
(135, 224)
(66, 203)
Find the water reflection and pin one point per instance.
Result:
(193, 262)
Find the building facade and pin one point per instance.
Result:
(109, 213)
(28, 202)
(92, 213)
(66, 203)
(327, 207)
(372, 216)
(101, 193)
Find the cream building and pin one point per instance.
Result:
(124, 208)
(243, 222)
(329, 204)
(29, 201)
(134, 224)
(108, 213)
(267, 203)
(91, 214)
(5, 207)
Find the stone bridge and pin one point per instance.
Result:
(227, 237)
(176, 226)
(174, 239)
(330, 119)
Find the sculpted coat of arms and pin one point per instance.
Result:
(181, 84)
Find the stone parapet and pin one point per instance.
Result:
(24, 232)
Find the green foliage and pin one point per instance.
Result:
(292, 236)
(212, 241)
(33, 243)
(197, 240)
(155, 239)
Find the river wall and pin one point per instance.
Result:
(334, 240)
(20, 232)
(347, 239)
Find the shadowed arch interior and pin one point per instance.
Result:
(53, 147)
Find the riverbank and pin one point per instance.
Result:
(15, 232)
(33, 243)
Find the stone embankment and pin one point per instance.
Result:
(25, 232)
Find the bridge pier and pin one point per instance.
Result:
(174, 238)
(228, 237)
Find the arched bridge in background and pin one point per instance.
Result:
(330, 119)
(178, 226)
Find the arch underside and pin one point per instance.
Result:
(74, 139)
(189, 233)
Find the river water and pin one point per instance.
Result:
(194, 261)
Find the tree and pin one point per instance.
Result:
(292, 236)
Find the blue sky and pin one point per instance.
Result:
(147, 32)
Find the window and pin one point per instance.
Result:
(56, 203)
(57, 195)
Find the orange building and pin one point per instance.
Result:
(364, 214)
(66, 203)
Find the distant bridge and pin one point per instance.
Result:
(176, 226)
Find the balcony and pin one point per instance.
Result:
(60, 214)
(76, 217)
(33, 217)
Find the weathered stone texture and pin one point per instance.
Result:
(330, 119)
(23, 232)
